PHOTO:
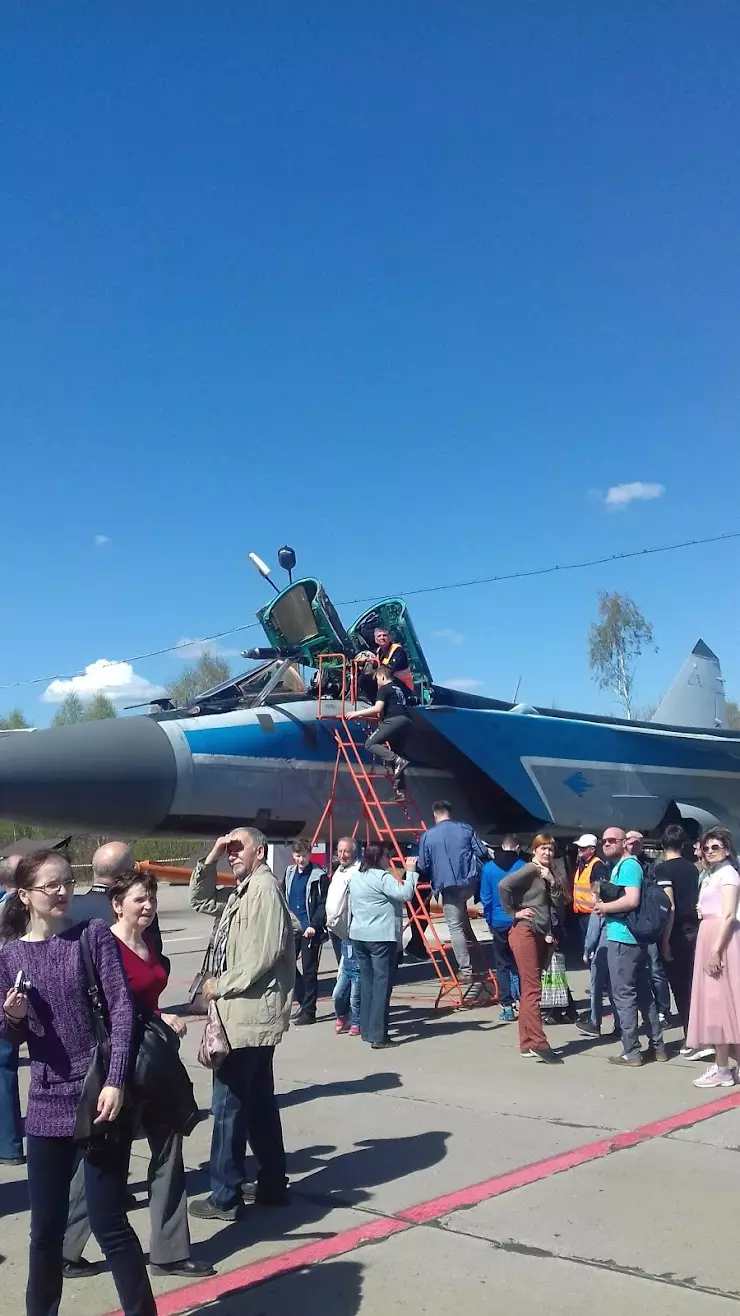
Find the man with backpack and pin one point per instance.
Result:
(633, 921)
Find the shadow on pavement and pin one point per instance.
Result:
(339, 1181)
(332, 1289)
(14, 1197)
(349, 1087)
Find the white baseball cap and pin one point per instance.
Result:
(587, 839)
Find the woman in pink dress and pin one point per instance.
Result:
(714, 1018)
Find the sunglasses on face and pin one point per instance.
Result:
(714, 847)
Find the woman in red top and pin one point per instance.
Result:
(133, 897)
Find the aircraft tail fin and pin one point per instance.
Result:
(697, 696)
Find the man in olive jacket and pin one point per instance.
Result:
(253, 959)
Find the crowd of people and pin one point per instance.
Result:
(68, 961)
(687, 941)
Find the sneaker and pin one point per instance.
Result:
(588, 1028)
(302, 1020)
(340, 1026)
(714, 1077)
(399, 767)
(204, 1208)
(546, 1055)
(700, 1053)
(626, 1062)
(529, 1054)
(507, 1015)
(354, 1030)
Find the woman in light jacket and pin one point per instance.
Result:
(377, 898)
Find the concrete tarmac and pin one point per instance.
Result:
(411, 1182)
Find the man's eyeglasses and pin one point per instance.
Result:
(53, 888)
(611, 840)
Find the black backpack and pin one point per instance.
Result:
(646, 923)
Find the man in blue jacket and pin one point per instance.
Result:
(306, 889)
(505, 859)
(450, 855)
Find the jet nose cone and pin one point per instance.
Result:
(113, 775)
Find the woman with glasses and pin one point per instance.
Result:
(714, 1017)
(133, 897)
(43, 987)
(528, 896)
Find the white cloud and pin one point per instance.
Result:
(618, 497)
(100, 540)
(452, 637)
(467, 683)
(118, 681)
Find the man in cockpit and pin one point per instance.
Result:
(390, 655)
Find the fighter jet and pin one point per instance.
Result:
(260, 748)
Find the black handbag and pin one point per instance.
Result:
(97, 1070)
(159, 1080)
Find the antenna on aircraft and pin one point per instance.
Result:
(263, 569)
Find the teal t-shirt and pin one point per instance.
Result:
(628, 872)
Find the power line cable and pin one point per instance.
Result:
(408, 593)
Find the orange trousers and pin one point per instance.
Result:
(530, 953)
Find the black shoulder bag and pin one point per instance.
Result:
(97, 1070)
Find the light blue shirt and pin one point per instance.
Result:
(628, 872)
(376, 901)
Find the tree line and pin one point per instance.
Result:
(208, 671)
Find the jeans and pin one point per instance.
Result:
(11, 1128)
(168, 1204)
(661, 990)
(308, 949)
(530, 952)
(387, 741)
(377, 962)
(421, 900)
(600, 983)
(455, 905)
(244, 1109)
(51, 1162)
(629, 971)
(346, 996)
(504, 966)
(680, 969)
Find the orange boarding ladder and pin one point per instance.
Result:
(397, 822)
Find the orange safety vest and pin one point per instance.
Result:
(404, 675)
(583, 896)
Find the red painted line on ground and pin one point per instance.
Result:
(526, 1174)
(179, 1301)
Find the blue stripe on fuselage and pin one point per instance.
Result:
(286, 740)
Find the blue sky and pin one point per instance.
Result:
(403, 284)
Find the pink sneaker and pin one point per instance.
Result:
(354, 1031)
(340, 1026)
(714, 1077)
